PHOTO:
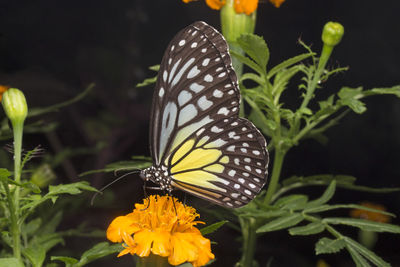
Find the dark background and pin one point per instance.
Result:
(52, 50)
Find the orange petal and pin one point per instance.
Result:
(277, 3)
(144, 240)
(215, 4)
(204, 251)
(118, 226)
(245, 6)
(161, 244)
(183, 249)
(187, 1)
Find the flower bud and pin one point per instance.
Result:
(332, 33)
(14, 105)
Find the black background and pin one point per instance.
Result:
(53, 49)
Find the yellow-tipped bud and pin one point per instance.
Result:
(332, 33)
(14, 104)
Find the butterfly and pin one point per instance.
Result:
(198, 143)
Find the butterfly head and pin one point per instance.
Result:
(157, 175)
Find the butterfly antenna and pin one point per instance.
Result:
(109, 184)
(145, 196)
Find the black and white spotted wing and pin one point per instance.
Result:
(198, 142)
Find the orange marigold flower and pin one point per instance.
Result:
(162, 226)
(3, 88)
(241, 6)
(370, 215)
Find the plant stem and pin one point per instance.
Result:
(248, 226)
(325, 54)
(14, 209)
(276, 173)
(152, 261)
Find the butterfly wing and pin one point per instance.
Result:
(196, 133)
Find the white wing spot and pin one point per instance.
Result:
(234, 109)
(217, 93)
(244, 150)
(203, 103)
(256, 152)
(236, 186)
(250, 136)
(215, 129)
(257, 180)
(223, 111)
(219, 69)
(247, 167)
(205, 62)
(228, 85)
(193, 45)
(231, 134)
(235, 195)
(208, 78)
(241, 180)
(187, 114)
(165, 75)
(161, 92)
(193, 72)
(172, 48)
(244, 198)
(182, 42)
(259, 163)
(232, 173)
(252, 185)
(195, 87)
(182, 70)
(231, 92)
(169, 61)
(245, 144)
(237, 161)
(184, 97)
(231, 148)
(217, 59)
(222, 74)
(204, 50)
(246, 174)
(248, 192)
(173, 70)
(194, 33)
(258, 171)
(248, 160)
(199, 132)
(234, 123)
(244, 129)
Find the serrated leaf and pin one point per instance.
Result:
(31, 226)
(281, 223)
(72, 189)
(282, 79)
(358, 259)
(323, 208)
(155, 67)
(327, 246)
(256, 48)
(253, 77)
(4, 174)
(371, 256)
(364, 224)
(14, 262)
(287, 63)
(356, 105)
(147, 81)
(309, 229)
(212, 228)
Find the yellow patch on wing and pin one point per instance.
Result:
(197, 159)
(218, 168)
(203, 140)
(199, 178)
(186, 147)
(212, 196)
(224, 160)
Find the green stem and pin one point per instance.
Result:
(14, 209)
(248, 226)
(276, 173)
(325, 54)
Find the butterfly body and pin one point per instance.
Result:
(198, 142)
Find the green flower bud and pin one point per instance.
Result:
(14, 104)
(332, 33)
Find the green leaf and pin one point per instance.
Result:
(69, 261)
(98, 251)
(309, 229)
(4, 174)
(253, 77)
(371, 256)
(212, 228)
(147, 81)
(281, 223)
(358, 259)
(292, 202)
(326, 196)
(72, 189)
(287, 63)
(323, 208)
(327, 246)
(31, 226)
(247, 61)
(256, 48)
(364, 224)
(282, 79)
(8, 262)
(349, 97)
(395, 90)
(35, 254)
